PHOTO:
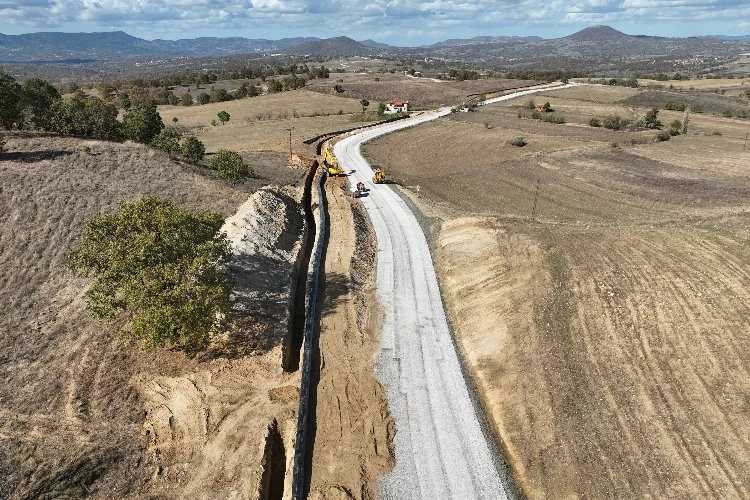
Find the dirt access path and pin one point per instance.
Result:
(354, 430)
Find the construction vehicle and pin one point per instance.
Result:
(330, 162)
(379, 177)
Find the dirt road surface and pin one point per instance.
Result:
(441, 451)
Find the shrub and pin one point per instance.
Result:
(716, 132)
(674, 127)
(142, 123)
(230, 166)
(530, 104)
(595, 122)
(186, 99)
(675, 106)
(614, 122)
(518, 141)
(85, 150)
(192, 149)
(651, 121)
(727, 113)
(204, 98)
(163, 265)
(214, 123)
(663, 135)
(168, 140)
(536, 115)
(552, 118)
(2, 143)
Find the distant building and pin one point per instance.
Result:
(396, 106)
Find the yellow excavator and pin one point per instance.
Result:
(379, 177)
(330, 162)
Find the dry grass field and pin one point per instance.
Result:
(422, 93)
(261, 123)
(609, 338)
(74, 395)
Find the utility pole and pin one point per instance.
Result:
(290, 142)
(536, 196)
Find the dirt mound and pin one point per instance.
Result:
(206, 429)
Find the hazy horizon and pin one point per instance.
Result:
(397, 22)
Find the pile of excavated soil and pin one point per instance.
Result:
(354, 431)
(207, 428)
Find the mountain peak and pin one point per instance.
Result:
(599, 33)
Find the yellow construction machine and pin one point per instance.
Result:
(330, 162)
(379, 177)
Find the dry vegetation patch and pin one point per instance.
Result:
(71, 419)
(422, 93)
(609, 337)
(262, 123)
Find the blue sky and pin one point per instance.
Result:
(400, 22)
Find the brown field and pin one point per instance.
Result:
(422, 93)
(261, 123)
(84, 412)
(609, 338)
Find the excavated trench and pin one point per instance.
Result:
(274, 465)
(290, 361)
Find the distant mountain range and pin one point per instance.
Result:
(48, 47)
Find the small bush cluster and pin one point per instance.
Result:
(230, 166)
(518, 141)
(663, 135)
(615, 122)
(595, 122)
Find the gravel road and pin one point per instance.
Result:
(441, 451)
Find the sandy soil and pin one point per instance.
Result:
(84, 413)
(609, 338)
(353, 437)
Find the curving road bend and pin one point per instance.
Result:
(441, 450)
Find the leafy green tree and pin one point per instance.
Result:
(204, 98)
(162, 264)
(38, 98)
(192, 149)
(230, 166)
(173, 99)
(168, 139)
(85, 116)
(364, 103)
(10, 100)
(186, 99)
(142, 123)
(381, 108)
(223, 117)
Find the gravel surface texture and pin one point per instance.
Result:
(441, 450)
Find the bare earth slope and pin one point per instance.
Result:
(610, 337)
(74, 395)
